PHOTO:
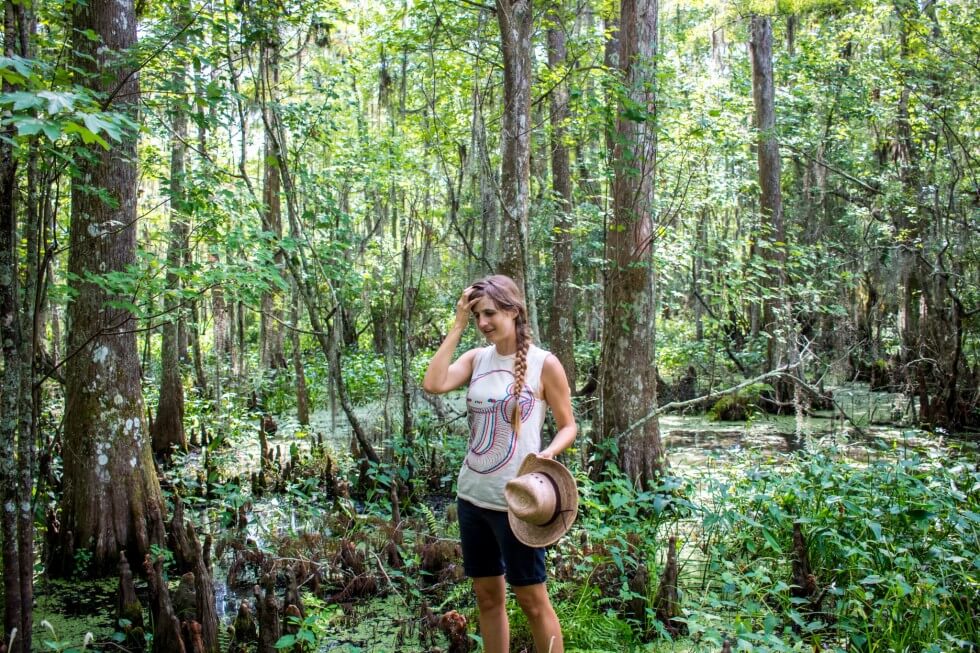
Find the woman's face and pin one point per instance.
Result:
(496, 324)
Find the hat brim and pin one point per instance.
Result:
(539, 536)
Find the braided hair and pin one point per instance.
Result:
(507, 296)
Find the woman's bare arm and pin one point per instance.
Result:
(559, 398)
(443, 375)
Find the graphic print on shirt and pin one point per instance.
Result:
(492, 440)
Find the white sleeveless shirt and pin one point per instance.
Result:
(494, 454)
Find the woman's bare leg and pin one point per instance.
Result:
(545, 628)
(491, 599)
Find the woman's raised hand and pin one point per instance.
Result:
(464, 307)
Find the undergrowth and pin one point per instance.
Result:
(893, 548)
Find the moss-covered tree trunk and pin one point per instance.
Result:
(111, 495)
(628, 375)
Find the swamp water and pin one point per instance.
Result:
(697, 448)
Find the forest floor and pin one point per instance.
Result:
(701, 453)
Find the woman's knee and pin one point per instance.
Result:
(490, 595)
(533, 601)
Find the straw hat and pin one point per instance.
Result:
(542, 501)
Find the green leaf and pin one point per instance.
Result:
(771, 540)
(57, 101)
(28, 126)
(876, 529)
(97, 124)
(285, 641)
(21, 100)
(619, 500)
(20, 64)
(88, 136)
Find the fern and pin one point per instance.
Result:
(430, 519)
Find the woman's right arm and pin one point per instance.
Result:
(441, 376)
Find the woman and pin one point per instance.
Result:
(511, 382)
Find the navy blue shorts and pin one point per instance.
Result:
(490, 548)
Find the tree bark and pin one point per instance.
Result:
(514, 18)
(302, 394)
(771, 230)
(111, 495)
(270, 330)
(907, 226)
(30, 396)
(561, 338)
(407, 301)
(167, 430)
(11, 337)
(627, 382)
(19, 333)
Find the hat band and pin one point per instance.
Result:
(557, 512)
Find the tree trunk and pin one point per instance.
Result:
(16, 609)
(561, 338)
(270, 328)
(302, 394)
(771, 229)
(697, 266)
(193, 333)
(167, 430)
(907, 225)
(409, 294)
(111, 496)
(514, 17)
(628, 375)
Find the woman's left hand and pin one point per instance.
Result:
(547, 454)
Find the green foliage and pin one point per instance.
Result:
(306, 636)
(364, 375)
(54, 114)
(893, 546)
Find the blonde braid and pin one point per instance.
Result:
(520, 369)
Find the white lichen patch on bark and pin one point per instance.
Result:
(122, 22)
(102, 461)
(100, 354)
(10, 507)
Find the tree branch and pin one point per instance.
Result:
(782, 372)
